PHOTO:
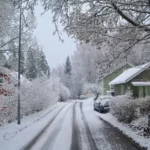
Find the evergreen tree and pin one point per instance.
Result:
(6, 65)
(43, 68)
(13, 61)
(22, 64)
(68, 66)
(48, 72)
(2, 59)
(66, 78)
(31, 67)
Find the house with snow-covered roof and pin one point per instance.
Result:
(112, 75)
(136, 79)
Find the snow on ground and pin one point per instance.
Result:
(144, 142)
(96, 126)
(83, 136)
(58, 135)
(29, 124)
(64, 137)
(140, 122)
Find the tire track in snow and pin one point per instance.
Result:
(53, 136)
(88, 132)
(75, 131)
(33, 142)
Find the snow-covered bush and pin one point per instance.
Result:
(8, 102)
(123, 108)
(126, 109)
(64, 93)
(35, 96)
(8, 109)
(143, 106)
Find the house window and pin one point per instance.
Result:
(112, 88)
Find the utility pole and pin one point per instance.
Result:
(19, 57)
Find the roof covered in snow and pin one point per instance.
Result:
(129, 74)
(117, 68)
(139, 83)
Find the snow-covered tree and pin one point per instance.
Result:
(77, 85)
(48, 72)
(66, 75)
(83, 69)
(31, 66)
(2, 59)
(88, 20)
(6, 11)
(42, 65)
(13, 60)
(36, 95)
(58, 71)
(124, 23)
(94, 89)
(22, 63)
(68, 66)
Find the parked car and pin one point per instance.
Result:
(102, 104)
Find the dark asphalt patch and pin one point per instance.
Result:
(75, 132)
(88, 132)
(117, 140)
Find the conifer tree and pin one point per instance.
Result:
(31, 67)
(68, 66)
(2, 59)
(13, 61)
(66, 79)
(22, 64)
(43, 68)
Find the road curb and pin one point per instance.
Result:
(126, 136)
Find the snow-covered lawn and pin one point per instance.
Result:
(133, 134)
(12, 130)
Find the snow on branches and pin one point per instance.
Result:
(35, 96)
(99, 21)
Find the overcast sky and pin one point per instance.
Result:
(55, 51)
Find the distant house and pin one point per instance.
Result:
(136, 79)
(112, 75)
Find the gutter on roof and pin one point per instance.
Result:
(141, 83)
(116, 83)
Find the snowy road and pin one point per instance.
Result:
(76, 126)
